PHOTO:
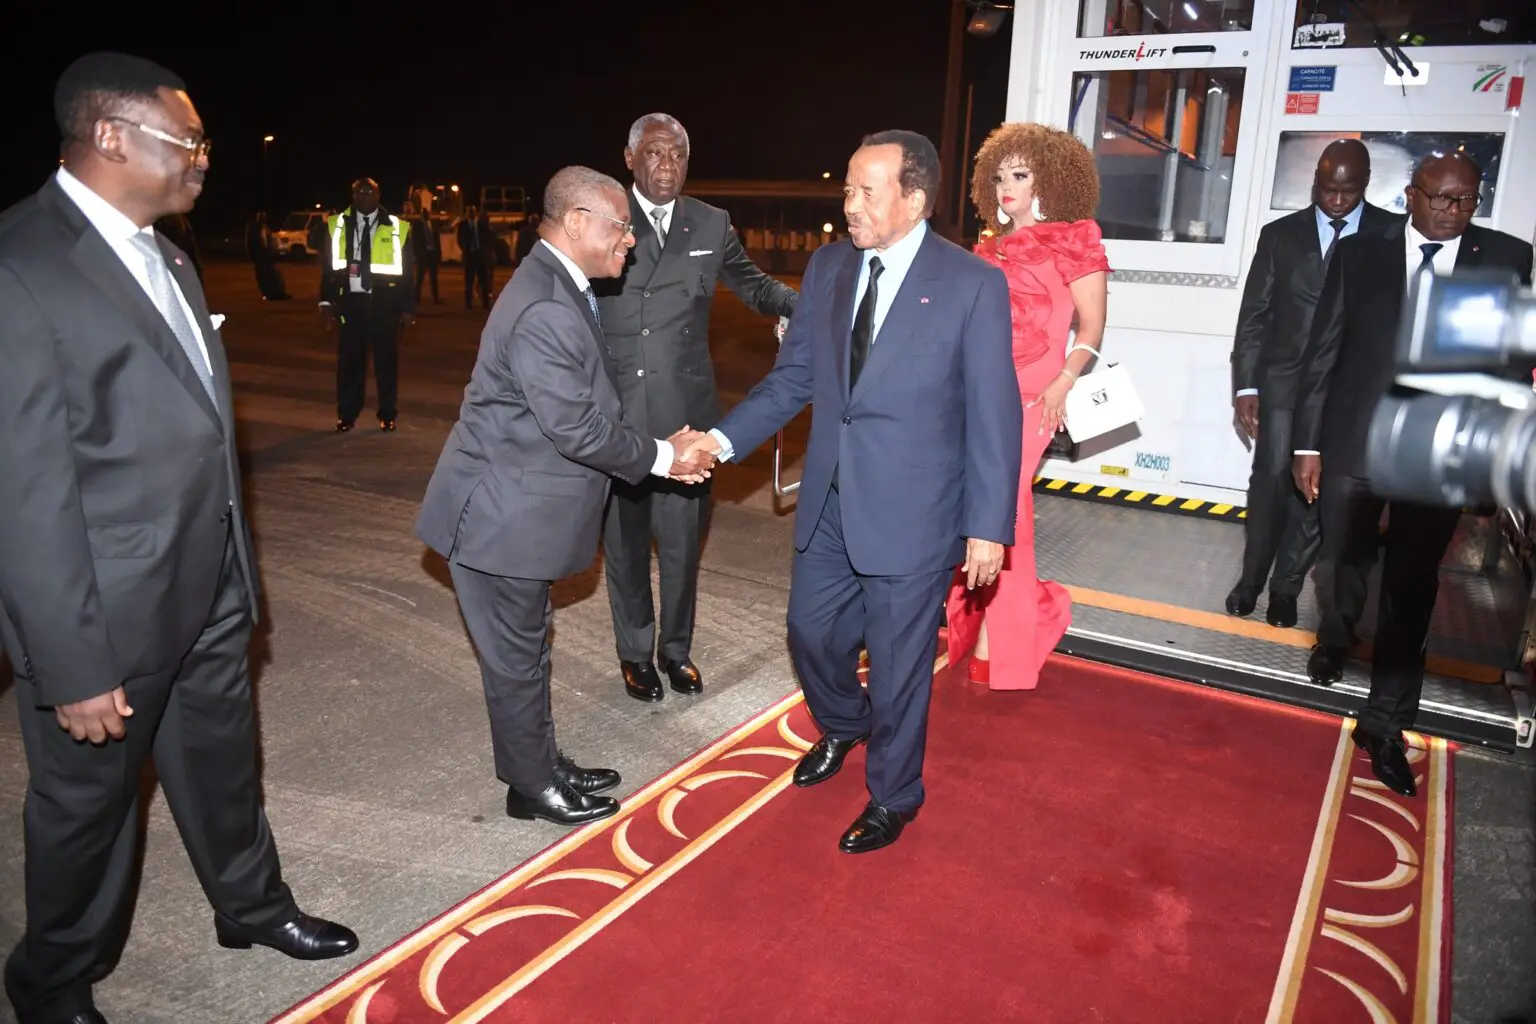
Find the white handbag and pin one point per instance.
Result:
(1100, 402)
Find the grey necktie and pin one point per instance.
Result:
(169, 305)
(592, 301)
(660, 217)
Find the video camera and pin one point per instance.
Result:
(1467, 437)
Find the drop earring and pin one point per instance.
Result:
(1034, 208)
(1002, 218)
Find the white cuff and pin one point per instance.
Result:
(665, 456)
(1299, 452)
(1246, 391)
(726, 452)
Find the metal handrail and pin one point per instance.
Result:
(780, 488)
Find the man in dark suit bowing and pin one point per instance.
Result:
(1349, 367)
(127, 582)
(1273, 324)
(656, 320)
(517, 498)
(902, 344)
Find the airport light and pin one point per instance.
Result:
(267, 138)
(826, 174)
(826, 228)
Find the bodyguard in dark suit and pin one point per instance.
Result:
(477, 250)
(902, 343)
(1349, 368)
(656, 319)
(127, 584)
(517, 498)
(1274, 322)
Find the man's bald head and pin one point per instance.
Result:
(365, 196)
(1343, 173)
(1444, 194)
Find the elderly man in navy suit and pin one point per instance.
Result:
(901, 343)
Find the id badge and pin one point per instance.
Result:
(354, 269)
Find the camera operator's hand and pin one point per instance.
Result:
(1247, 407)
(1307, 471)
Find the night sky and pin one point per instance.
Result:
(504, 93)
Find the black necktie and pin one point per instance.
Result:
(864, 324)
(365, 253)
(1338, 224)
(1428, 265)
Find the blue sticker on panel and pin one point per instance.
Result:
(1312, 79)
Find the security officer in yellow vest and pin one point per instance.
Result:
(365, 290)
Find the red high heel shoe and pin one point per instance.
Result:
(980, 670)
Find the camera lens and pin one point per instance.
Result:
(1441, 450)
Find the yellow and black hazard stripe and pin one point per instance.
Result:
(1133, 498)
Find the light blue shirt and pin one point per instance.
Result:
(1324, 240)
(895, 262)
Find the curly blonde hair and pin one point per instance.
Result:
(1066, 181)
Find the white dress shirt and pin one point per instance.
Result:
(370, 221)
(895, 262)
(648, 207)
(1324, 240)
(665, 455)
(1443, 263)
(114, 226)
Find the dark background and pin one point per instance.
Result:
(502, 93)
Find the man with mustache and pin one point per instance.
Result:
(128, 585)
(656, 318)
(516, 501)
(902, 343)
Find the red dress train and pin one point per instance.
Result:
(1027, 616)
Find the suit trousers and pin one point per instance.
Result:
(676, 515)
(82, 813)
(832, 611)
(427, 266)
(479, 268)
(1282, 533)
(508, 619)
(368, 321)
(1416, 541)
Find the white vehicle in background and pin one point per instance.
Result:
(297, 236)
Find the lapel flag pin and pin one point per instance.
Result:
(178, 261)
(923, 299)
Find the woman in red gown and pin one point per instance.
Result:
(1036, 188)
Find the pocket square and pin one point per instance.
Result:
(701, 252)
(217, 319)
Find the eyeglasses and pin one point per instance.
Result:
(1466, 204)
(626, 225)
(199, 148)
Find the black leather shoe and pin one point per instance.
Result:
(342, 426)
(684, 675)
(303, 938)
(1388, 760)
(641, 680)
(1325, 666)
(88, 1017)
(824, 760)
(590, 781)
(876, 827)
(1242, 601)
(387, 426)
(561, 804)
(1281, 612)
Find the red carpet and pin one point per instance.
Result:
(1108, 847)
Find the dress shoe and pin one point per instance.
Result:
(92, 1016)
(303, 938)
(1388, 760)
(824, 760)
(559, 803)
(684, 675)
(1242, 601)
(1281, 612)
(641, 680)
(342, 426)
(1325, 666)
(876, 827)
(590, 781)
(387, 426)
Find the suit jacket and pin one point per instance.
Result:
(120, 476)
(1279, 297)
(656, 317)
(520, 487)
(470, 244)
(1350, 358)
(398, 292)
(928, 447)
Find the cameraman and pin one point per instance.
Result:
(1349, 368)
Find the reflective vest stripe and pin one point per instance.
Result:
(395, 255)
